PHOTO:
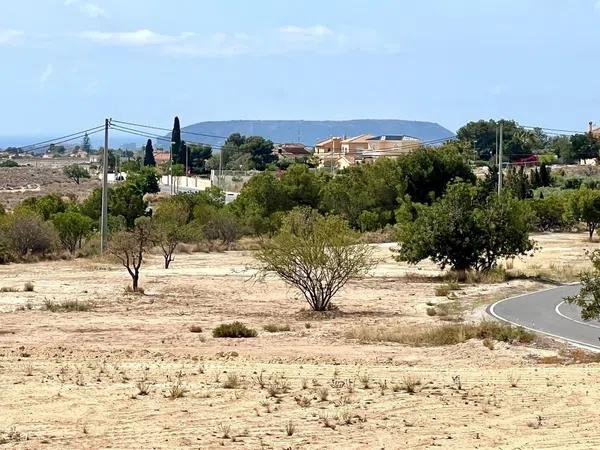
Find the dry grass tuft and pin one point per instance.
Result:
(68, 306)
(28, 287)
(232, 381)
(274, 328)
(234, 330)
(450, 334)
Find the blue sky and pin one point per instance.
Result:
(67, 64)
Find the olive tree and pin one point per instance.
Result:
(72, 227)
(585, 206)
(315, 254)
(129, 247)
(463, 231)
(75, 172)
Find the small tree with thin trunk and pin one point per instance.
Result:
(75, 172)
(317, 255)
(171, 228)
(129, 247)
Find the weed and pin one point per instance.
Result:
(323, 394)
(28, 287)
(195, 329)
(513, 380)
(410, 383)
(225, 430)
(304, 383)
(260, 379)
(143, 387)
(232, 381)
(233, 330)
(177, 390)
(290, 428)
(365, 380)
(457, 382)
(431, 311)
(307, 325)
(29, 370)
(345, 416)
(328, 422)
(537, 423)
(489, 343)
(303, 401)
(274, 328)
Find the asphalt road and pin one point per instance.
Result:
(546, 312)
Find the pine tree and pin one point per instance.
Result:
(176, 142)
(86, 146)
(149, 154)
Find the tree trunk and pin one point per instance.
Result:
(167, 261)
(591, 231)
(135, 278)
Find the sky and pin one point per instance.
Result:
(68, 64)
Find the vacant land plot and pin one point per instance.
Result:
(85, 365)
(18, 183)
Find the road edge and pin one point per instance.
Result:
(490, 311)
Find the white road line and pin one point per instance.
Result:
(557, 310)
(574, 342)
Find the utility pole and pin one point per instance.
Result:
(104, 213)
(500, 162)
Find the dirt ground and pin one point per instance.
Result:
(19, 183)
(75, 379)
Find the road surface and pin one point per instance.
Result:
(546, 312)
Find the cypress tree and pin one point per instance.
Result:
(149, 154)
(176, 142)
(545, 175)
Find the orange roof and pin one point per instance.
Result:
(327, 141)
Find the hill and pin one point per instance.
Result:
(310, 132)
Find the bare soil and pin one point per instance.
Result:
(74, 379)
(18, 183)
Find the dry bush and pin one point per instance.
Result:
(410, 383)
(450, 334)
(234, 330)
(445, 289)
(290, 428)
(274, 328)
(177, 390)
(195, 329)
(68, 306)
(28, 287)
(232, 381)
(8, 289)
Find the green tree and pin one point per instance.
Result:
(75, 172)
(146, 179)
(129, 247)
(9, 163)
(516, 183)
(127, 200)
(302, 186)
(462, 231)
(171, 228)
(585, 146)
(176, 143)
(25, 232)
(585, 207)
(199, 155)
(317, 255)
(72, 228)
(45, 206)
(260, 151)
(149, 154)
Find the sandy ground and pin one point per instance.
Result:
(72, 379)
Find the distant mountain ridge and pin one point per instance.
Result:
(309, 132)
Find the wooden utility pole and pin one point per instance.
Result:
(500, 162)
(104, 213)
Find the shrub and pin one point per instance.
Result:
(25, 232)
(445, 289)
(28, 287)
(68, 306)
(9, 163)
(75, 172)
(233, 330)
(72, 228)
(196, 329)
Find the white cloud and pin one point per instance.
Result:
(89, 9)
(317, 32)
(288, 39)
(46, 74)
(134, 38)
(10, 37)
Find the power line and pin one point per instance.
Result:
(167, 129)
(155, 136)
(31, 149)
(56, 140)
